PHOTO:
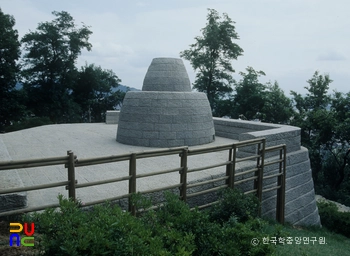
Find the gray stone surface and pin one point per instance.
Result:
(112, 116)
(55, 140)
(166, 113)
(341, 207)
(301, 208)
(166, 74)
(275, 134)
(170, 124)
(10, 179)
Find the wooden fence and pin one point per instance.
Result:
(71, 162)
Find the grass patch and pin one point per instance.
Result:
(335, 244)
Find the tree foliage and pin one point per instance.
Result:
(277, 106)
(211, 56)
(250, 95)
(10, 107)
(253, 100)
(93, 92)
(324, 120)
(52, 89)
(49, 68)
(340, 106)
(312, 114)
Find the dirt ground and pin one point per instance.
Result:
(6, 249)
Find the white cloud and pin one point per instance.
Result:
(285, 39)
(331, 56)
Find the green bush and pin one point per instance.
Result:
(334, 220)
(233, 201)
(211, 237)
(176, 214)
(244, 233)
(172, 229)
(106, 230)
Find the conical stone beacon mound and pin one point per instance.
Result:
(167, 74)
(166, 113)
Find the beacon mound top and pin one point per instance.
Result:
(166, 113)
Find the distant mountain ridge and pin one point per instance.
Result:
(122, 88)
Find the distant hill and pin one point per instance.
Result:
(122, 88)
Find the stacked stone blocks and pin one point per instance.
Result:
(112, 116)
(300, 208)
(155, 122)
(166, 74)
(166, 113)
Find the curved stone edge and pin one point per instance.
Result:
(165, 119)
(233, 128)
(275, 134)
(11, 178)
(301, 207)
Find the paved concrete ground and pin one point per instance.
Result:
(89, 140)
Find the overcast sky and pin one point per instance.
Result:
(287, 39)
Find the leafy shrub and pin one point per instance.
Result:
(244, 233)
(106, 230)
(176, 214)
(213, 237)
(172, 229)
(233, 201)
(334, 220)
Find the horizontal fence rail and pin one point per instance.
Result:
(18, 164)
(71, 162)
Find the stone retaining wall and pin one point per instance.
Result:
(301, 208)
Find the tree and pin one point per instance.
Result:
(324, 120)
(277, 107)
(10, 107)
(340, 106)
(211, 56)
(313, 118)
(49, 68)
(312, 113)
(317, 97)
(250, 95)
(94, 92)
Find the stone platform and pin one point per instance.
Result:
(92, 140)
(86, 141)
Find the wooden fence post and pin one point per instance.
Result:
(230, 168)
(281, 181)
(258, 185)
(234, 156)
(71, 175)
(183, 175)
(132, 182)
